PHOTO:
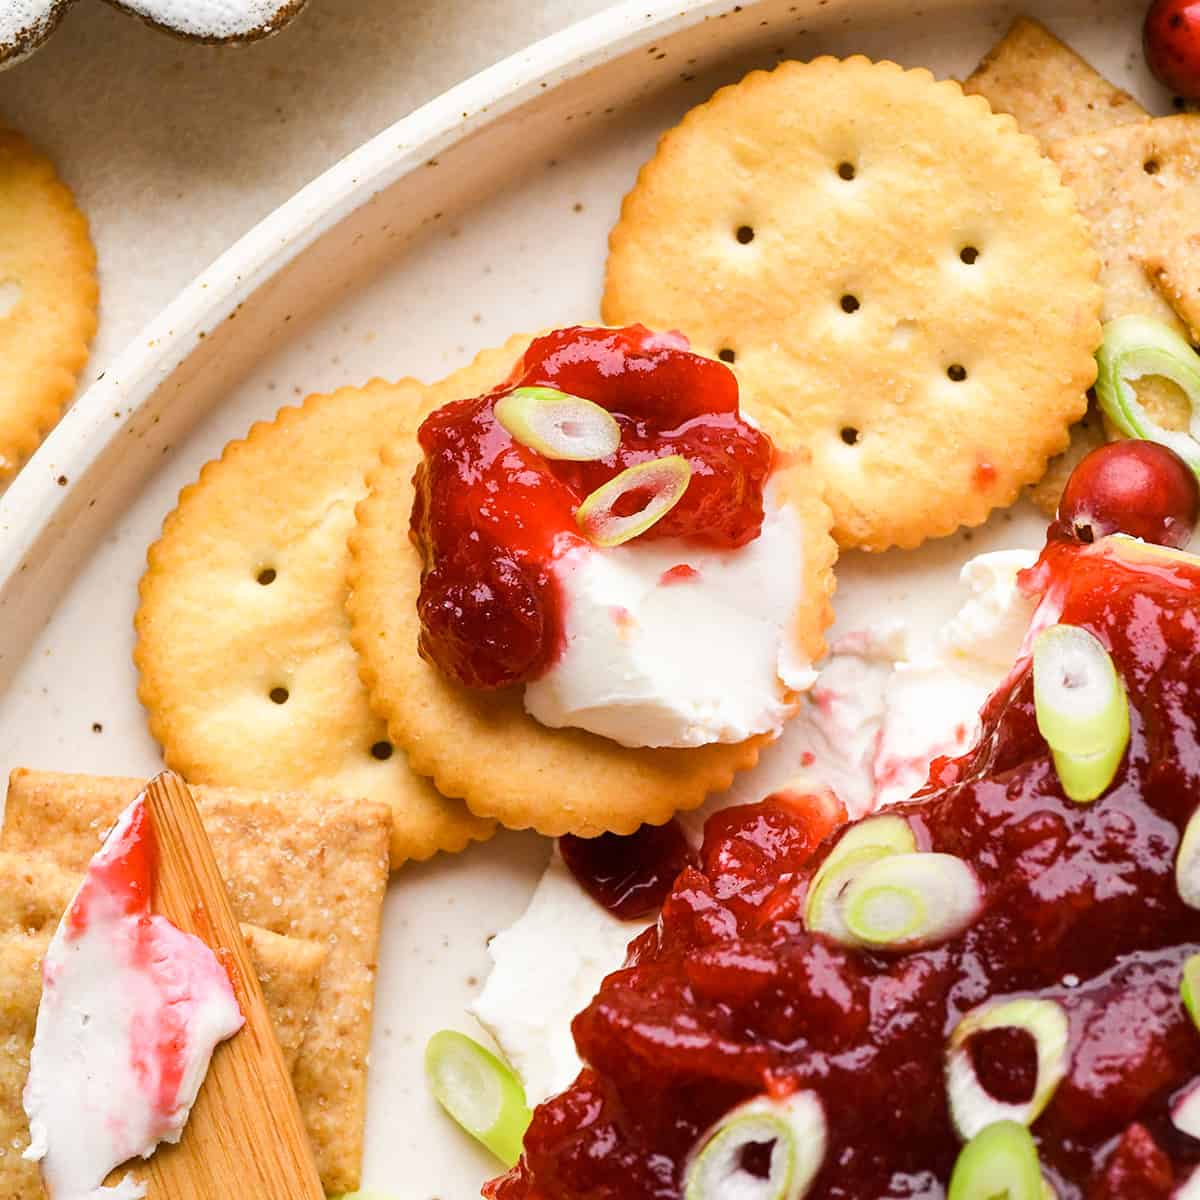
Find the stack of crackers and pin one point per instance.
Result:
(1136, 179)
(306, 881)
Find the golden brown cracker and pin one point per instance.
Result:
(1139, 188)
(37, 892)
(20, 995)
(286, 986)
(290, 970)
(1051, 91)
(1176, 276)
(482, 745)
(313, 871)
(48, 297)
(243, 647)
(897, 272)
(1086, 435)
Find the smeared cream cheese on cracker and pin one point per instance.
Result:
(670, 644)
(131, 1011)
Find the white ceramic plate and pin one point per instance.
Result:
(482, 213)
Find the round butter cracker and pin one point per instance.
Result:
(243, 643)
(48, 298)
(898, 275)
(483, 746)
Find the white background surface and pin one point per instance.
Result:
(175, 149)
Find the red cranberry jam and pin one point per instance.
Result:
(628, 875)
(491, 515)
(731, 995)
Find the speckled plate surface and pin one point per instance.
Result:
(483, 212)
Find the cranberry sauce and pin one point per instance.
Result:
(491, 514)
(630, 876)
(730, 996)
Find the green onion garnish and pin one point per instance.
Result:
(1187, 863)
(479, 1091)
(999, 1163)
(1189, 988)
(558, 425)
(904, 901)
(971, 1107)
(656, 486)
(860, 846)
(795, 1130)
(1136, 347)
(1081, 708)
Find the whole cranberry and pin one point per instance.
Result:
(1134, 487)
(1172, 42)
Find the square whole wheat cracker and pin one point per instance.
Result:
(37, 892)
(293, 868)
(1134, 179)
(1139, 187)
(1051, 91)
(288, 968)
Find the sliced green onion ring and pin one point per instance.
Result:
(663, 480)
(971, 1107)
(1187, 863)
(1082, 710)
(1001, 1160)
(558, 425)
(859, 847)
(479, 1091)
(1189, 988)
(1185, 1110)
(1133, 348)
(903, 901)
(794, 1128)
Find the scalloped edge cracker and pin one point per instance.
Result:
(924, 323)
(483, 746)
(250, 683)
(48, 298)
(317, 872)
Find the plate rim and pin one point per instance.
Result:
(36, 499)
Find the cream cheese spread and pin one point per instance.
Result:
(670, 644)
(131, 1011)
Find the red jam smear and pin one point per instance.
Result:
(121, 875)
(491, 515)
(730, 995)
(628, 875)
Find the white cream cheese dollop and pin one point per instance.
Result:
(670, 644)
(131, 1011)
(548, 966)
(868, 730)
